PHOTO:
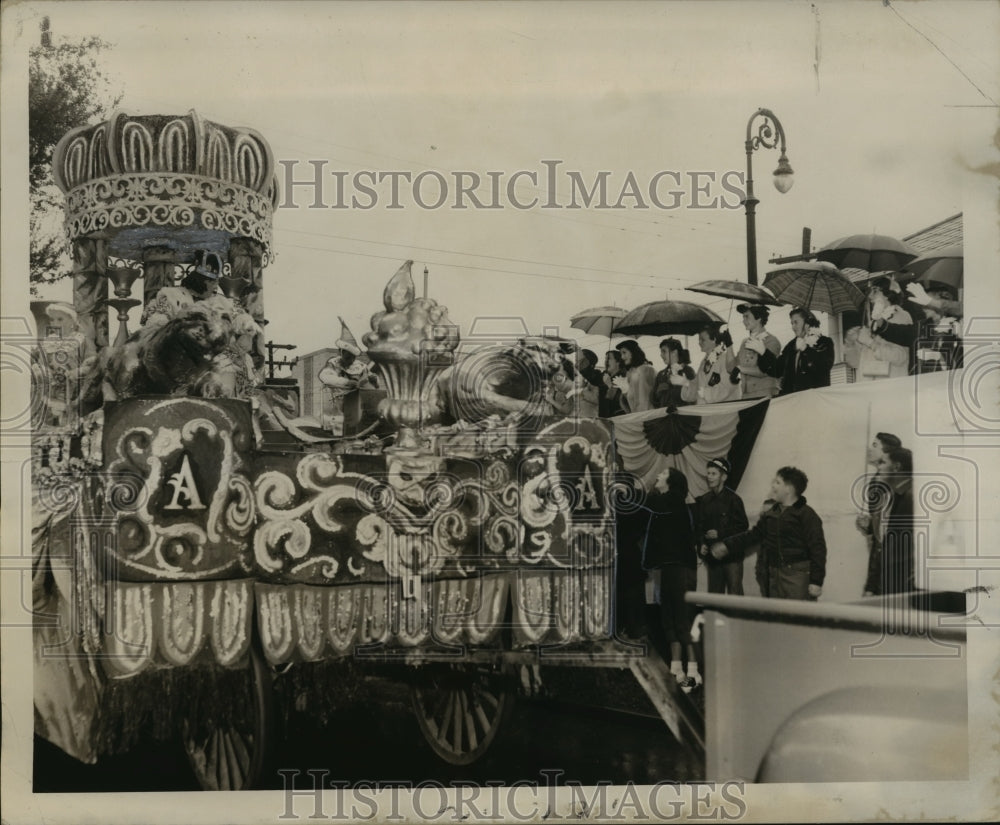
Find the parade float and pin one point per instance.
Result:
(203, 555)
(194, 538)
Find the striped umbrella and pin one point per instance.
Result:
(815, 285)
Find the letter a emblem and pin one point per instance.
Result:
(588, 495)
(183, 483)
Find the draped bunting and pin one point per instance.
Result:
(688, 438)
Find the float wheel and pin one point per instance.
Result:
(231, 755)
(461, 708)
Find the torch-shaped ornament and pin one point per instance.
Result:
(411, 343)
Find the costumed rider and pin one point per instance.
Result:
(231, 371)
(342, 374)
(198, 285)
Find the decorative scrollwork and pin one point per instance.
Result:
(168, 200)
(769, 131)
(766, 136)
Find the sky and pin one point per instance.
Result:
(882, 106)
(889, 110)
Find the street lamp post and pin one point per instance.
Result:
(769, 134)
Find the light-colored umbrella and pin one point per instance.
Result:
(872, 253)
(667, 318)
(815, 285)
(942, 266)
(597, 320)
(737, 290)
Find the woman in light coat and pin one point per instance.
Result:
(637, 383)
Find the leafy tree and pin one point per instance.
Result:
(67, 88)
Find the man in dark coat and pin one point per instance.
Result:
(719, 514)
(807, 359)
(791, 537)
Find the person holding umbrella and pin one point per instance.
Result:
(807, 359)
(637, 383)
(674, 377)
(887, 341)
(717, 378)
(758, 354)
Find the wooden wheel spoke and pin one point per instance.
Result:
(213, 760)
(470, 722)
(235, 773)
(490, 698)
(446, 721)
(457, 732)
(440, 709)
(242, 753)
(222, 762)
(481, 715)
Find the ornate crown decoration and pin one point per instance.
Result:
(166, 172)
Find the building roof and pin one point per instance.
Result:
(943, 233)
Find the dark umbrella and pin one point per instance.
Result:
(869, 252)
(862, 280)
(942, 266)
(667, 318)
(815, 285)
(738, 290)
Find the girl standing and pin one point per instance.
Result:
(637, 383)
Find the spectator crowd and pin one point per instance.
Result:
(904, 332)
(666, 538)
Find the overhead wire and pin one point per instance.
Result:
(483, 255)
(659, 287)
(941, 51)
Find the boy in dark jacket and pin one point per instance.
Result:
(719, 514)
(669, 548)
(791, 537)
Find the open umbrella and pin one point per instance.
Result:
(815, 285)
(597, 320)
(869, 252)
(738, 290)
(667, 318)
(942, 266)
(862, 280)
